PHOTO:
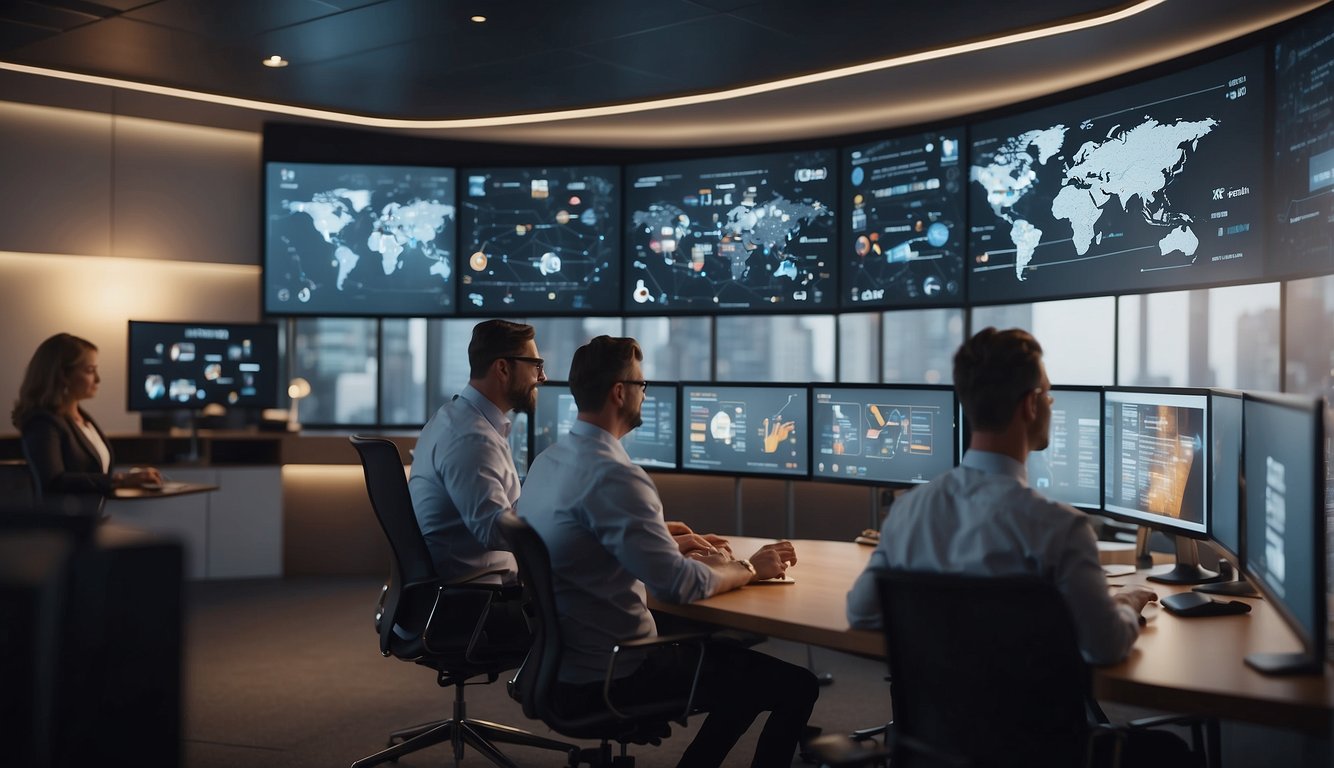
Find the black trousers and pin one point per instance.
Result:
(736, 685)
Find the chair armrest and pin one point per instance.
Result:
(1194, 721)
(475, 575)
(697, 638)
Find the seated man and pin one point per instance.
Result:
(601, 519)
(981, 518)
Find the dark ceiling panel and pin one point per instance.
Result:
(233, 19)
(45, 15)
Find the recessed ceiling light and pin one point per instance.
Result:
(479, 19)
(275, 61)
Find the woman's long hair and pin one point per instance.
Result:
(45, 383)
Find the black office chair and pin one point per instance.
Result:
(535, 684)
(987, 673)
(437, 625)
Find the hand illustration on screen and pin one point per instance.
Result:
(775, 432)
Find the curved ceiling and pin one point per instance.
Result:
(612, 72)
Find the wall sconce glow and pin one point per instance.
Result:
(479, 19)
(275, 61)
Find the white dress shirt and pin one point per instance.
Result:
(462, 480)
(982, 519)
(601, 519)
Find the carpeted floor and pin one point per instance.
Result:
(288, 673)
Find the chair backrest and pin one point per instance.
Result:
(535, 684)
(988, 669)
(411, 564)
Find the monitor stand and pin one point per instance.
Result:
(1187, 569)
(1239, 587)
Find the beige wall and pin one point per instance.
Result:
(110, 218)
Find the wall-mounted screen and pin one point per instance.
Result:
(757, 429)
(903, 222)
(1069, 469)
(732, 234)
(358, 240)
(540, 240)
(885, 435)
(653, 444)
(1303, 195)
(1153, 186)
(1156, 458)
(186, 366)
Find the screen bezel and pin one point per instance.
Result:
(131, 367)
(1313, 642)
(1157, 522)
(1236, 557)
(810, 449)
(1102, 446)
(682, 421)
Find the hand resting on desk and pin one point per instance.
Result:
(688, 541)
(1136, 597)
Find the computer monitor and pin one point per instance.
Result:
(754, 233)
(652, 445)
(886, 435)
(186, 366)
(1225, 491)
(745, 429)
(903, 221)
(365, 240)
(1156, 460)
(1069, 469)
(1284, 531)
(1153, 186)
(539, 241)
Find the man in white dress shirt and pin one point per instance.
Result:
(602, 521)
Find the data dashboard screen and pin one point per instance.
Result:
(903, 222)
(553, 416)
(886, 435)
(540, 240)
(1303, 194)
(1152, 186)
(358, 240)
(745, 429)
(653, 443)
(1156, 457)
(735, 234)
(187, 366)
(1069, 469)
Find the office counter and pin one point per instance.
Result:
(1188, 665)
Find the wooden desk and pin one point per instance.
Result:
(1186, 665)
(179, 489)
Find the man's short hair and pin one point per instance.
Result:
(993, 371)
(494, 339)
(596, 368)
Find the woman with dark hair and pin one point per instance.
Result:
(67, 450)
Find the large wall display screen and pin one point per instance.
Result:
(540, 240)
(903, 223)
(732, 234)
(1303, 195)
(734, 429)
(1153, 186)
(186, 366)
(889, 435)
(358, 240)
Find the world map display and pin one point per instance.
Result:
(359, 240)
(1152, 186)
(731, 234)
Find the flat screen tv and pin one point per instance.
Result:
(903, 222)
(886, 435)
(1154, 186)
(745, 429)
(732, 234)
(186, 366)
(358, 240)
(1303, 192)
(535, 241)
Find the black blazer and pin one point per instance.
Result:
(62, 459)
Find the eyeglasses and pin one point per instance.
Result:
(536, 362)
(642, 384)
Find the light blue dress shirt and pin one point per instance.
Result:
(982, 519)
(601, 519)
(463, 479)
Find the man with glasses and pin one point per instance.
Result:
(602, 521)
(981, 518)
(463, 476)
